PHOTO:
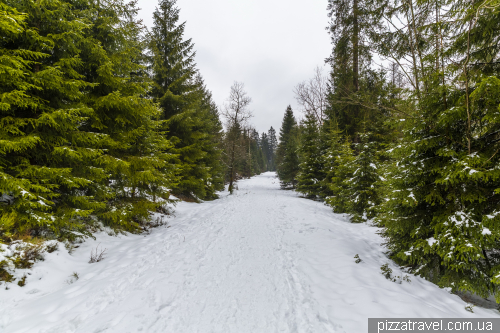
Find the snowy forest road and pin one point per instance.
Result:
(262, 260)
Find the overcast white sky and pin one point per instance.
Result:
(269, 45)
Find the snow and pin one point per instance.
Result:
(5, 252)
(462, 217)
(493, 215)
(486, 231)
(262, 260)
(431, 241)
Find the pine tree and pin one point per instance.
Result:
(310, 168)
(287, 152)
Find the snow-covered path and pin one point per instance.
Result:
(262, 260)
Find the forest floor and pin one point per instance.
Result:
(262, 260)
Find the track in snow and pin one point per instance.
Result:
(262, 260)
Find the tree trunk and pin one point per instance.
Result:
(355, 46)
(417, 45)
(413, 55)
(231, 176)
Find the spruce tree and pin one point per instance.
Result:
(97, 151)
(261, 161)
(441, 217)
(330, 151)
(261, 154)
(191, 123)
(287, 152)
(362, 188)
(341, 158)
(266, 150)
(46, 159)
(138, 169)
(246, 165)
(359, 96)
(211, 143)
(349, 26)
(310, 172)
(255, 153)
(273, 145)
(258, 155)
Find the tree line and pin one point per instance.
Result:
(405, 131)
(102, 120)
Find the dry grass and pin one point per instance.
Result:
(97, 255)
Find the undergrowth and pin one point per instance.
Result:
(23, 250)
(22, 255)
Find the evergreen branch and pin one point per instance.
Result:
(374, 106)
(490, 158)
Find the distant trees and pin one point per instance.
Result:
(236, 113)
(245, 152)
(269, 144)
(272, 142)
(266, 150)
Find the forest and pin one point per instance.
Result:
(103, 121)
(405, 132)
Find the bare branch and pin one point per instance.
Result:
(236, 107)
(237, 114)
(311, 95)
